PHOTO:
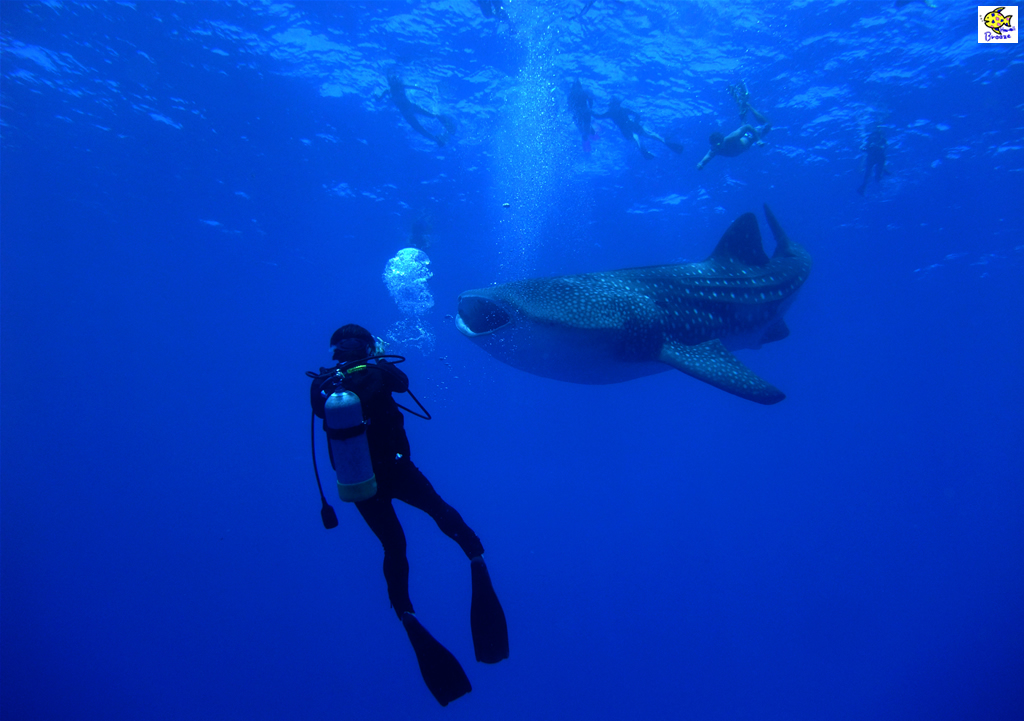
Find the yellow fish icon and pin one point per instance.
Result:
(996, 20)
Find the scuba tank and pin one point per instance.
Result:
(346, 436)
(350, 453)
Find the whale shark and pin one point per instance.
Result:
(615, 326)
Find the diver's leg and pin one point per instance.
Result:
(760, 117)
(644, 133)
(674, 147)
(447, 122)
(640, 146)
(486, 616)
(420, 110)
(412, 487)
(867, 177)
(380, 516)
(412, 120)
(739, 94)
(441, 671)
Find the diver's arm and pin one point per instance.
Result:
(321, 388)
(706, 159)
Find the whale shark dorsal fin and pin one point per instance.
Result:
(741, 243)
(712, 363)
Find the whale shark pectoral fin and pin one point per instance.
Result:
(712, 363)
(776, 331)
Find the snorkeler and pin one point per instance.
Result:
(494, 9)
(581, 105)
(586, 6)
(410, 110)
(631, 128)
(874, 146)
(741, 139)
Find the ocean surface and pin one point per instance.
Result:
(193, 196)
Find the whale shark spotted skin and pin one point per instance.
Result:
(615, 326)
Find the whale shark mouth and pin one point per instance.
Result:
(480, 316)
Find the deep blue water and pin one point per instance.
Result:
(194, 196)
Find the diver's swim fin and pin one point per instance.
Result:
(486, 618)
(440, 669)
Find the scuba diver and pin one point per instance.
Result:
(409, 109)
(581, 104)
(874, 146)
(388, 474)
(632, 129)
(741, 139)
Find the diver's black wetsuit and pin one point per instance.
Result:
(397, 477)
(581, 105)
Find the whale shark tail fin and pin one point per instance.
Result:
(783, 245)
(712, 363)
